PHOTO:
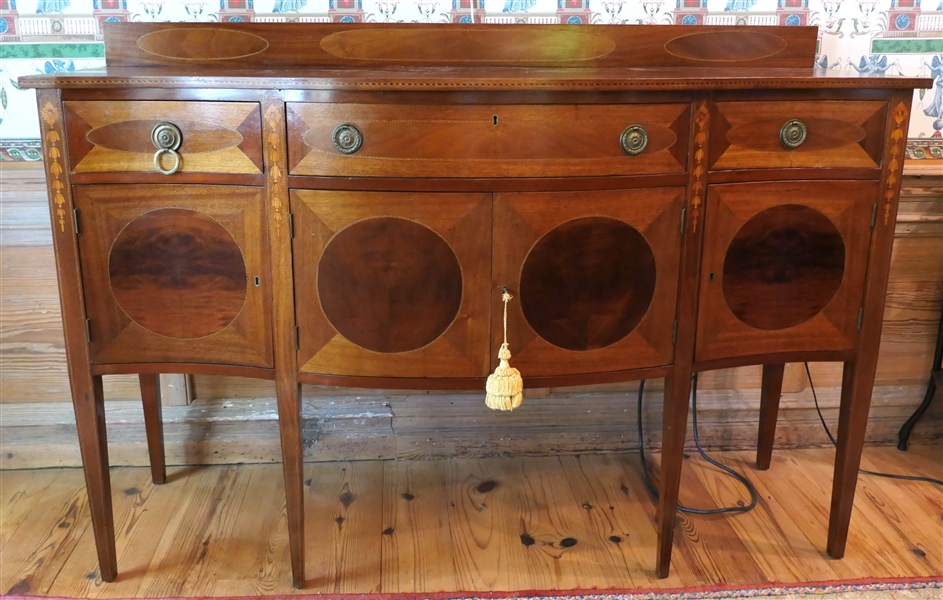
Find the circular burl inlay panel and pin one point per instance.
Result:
(587, 283)
(783, 267)
(178, 273)
(389, 285)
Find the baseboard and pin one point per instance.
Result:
(435, 426)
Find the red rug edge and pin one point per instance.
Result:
(773, 585)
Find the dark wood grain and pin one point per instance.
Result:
(814, 316)
(170, 273)
(154, 426)
(770, 391)
(389, 284)
(431, 254)
(178, 273)
(541, 241)
(783, 267)
(587, 283)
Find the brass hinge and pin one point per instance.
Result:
(874, 214)
(297, 338)
(860, 317)
(684, 210)
(291, 225)
(88, 331)
(674, 333)
(75, 220)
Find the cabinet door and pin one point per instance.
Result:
(594, 277)
(392, 284)
(784, 267)
(175, 273)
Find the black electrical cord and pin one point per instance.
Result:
(815, 399)
(754, 496)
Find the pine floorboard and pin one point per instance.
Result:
(551, 523)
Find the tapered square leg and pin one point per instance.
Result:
(772, 388)
(857, 384)
(677, 391)
(289, 421)
(154, 426)
(89, 403)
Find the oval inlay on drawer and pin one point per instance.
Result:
(823, 134)
(135, 136)
(838, 134)
(203, 43)
(574, 45)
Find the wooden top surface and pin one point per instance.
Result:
(370, 56)
(458, 78)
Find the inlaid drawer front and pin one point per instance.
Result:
(392, 284)
(175, 273)
(487, 141)
(164, 137)
(775, 135)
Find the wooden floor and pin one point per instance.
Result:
(489, 524)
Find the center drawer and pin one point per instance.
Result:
(381, 140)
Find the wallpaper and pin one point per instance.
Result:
(865, 36)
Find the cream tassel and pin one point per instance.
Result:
(505, 388)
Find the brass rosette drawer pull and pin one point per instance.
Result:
(634, 140)
(793, 134)
(167, 138)
(347, 138)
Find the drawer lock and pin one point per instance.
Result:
(634, 139)
(167, 138)
(793, 134)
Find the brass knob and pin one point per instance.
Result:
(347, 138)
(167, 138)
(634, 139)
(793, 134)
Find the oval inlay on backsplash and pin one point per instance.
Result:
(726, 46)
(135, 136)
(202, 43)
(473, 45)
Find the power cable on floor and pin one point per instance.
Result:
(754, 496)
(815, 399)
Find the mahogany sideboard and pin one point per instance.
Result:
(342, 204)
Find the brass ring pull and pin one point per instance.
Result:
(634, 139)
(157, 161)
(347, 138)
(167, 138)
(793, 134)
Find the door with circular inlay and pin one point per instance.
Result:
(175, 273)
(594, 277)
(392, 284)
(784, 267)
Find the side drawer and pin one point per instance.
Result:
(789, 134)
(210, 137)
(372, 140)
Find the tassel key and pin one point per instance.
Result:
(505, 388)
